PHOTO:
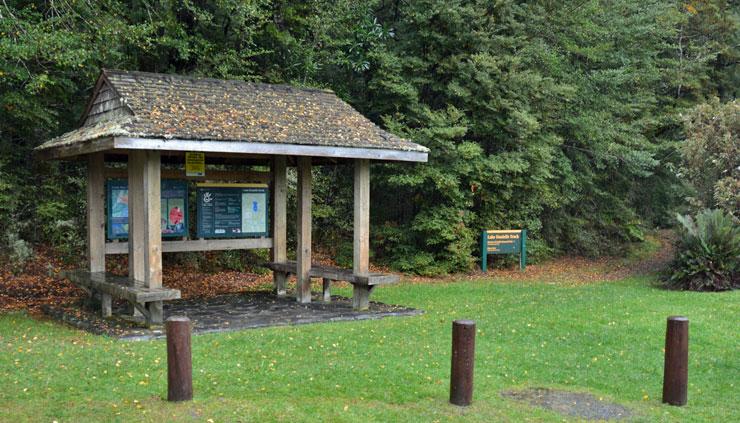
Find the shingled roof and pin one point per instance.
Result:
(128, 108)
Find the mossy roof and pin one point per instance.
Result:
(166, 106)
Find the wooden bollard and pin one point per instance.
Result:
(676, 371)
(463, 354)
(179, 359)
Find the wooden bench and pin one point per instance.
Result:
(148, 301)
(362, 285)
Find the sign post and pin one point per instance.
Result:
(511, 241)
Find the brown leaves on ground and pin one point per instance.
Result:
(192, 283)
(39, 282)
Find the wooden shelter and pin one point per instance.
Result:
(146, 120)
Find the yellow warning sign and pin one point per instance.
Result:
(195, 164)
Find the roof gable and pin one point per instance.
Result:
(105, 104)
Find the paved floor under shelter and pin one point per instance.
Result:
(229, 312)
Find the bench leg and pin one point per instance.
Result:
(280, 279)
(361, 297)
(156, 313)
(327, 290)
(135, 312)
(106, 305)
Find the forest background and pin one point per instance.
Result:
(574, 120)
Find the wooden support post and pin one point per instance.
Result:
(145, 228)
(279, 221)
(361, 258)
(303, 251)
(326, 289)
(135, 216)
(179, 359)
(463, 357)
(96, 212)
(96, 221)
(676, 370)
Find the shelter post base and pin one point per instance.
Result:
(280, 281)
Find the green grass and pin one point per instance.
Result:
(604, 338)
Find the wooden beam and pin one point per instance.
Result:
(145, 229)
(270, 148)
(75, 149)
(361, 246)
(95, 213)
(180, 246)
(303, 250)
(211, 175)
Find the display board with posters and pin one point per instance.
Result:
(232, 210)
(174, 208)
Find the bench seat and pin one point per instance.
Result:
(147, 300)
(362, 284)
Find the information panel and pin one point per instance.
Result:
(174, 208)
(232, 210)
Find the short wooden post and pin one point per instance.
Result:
(179, 359)
(361, 246)
(463, 355)
(106, 304)
(676, 370)
(326, 285)
(145, 227)
(303, 251)
(279, 221)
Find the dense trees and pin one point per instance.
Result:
(561, 117)
(711, 155)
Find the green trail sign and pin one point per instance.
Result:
(232, 210)
(513, 241)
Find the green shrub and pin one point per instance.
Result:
(18, 251)
(708, 253)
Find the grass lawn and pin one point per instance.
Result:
(601, 338)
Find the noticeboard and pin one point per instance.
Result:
(232, 210)
(513, 241)
(174, 198)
